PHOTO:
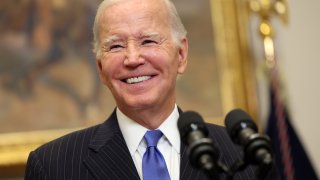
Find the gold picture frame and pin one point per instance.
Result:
(236, 84)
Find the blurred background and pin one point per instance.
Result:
(48, 74)
(297, 47)
(48, 78)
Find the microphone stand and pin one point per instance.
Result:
(203, 156)
(261, 172)
(266, 164)
(211, 168)
(208, 166)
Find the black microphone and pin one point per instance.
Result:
(201, 151)
(243, 131)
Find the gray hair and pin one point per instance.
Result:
(178, 30)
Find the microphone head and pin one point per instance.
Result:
(236, 120)
(191, 121)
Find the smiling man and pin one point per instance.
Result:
(141, 47)
(139, 57)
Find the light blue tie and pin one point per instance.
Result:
(153, 164)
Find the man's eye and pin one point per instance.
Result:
(148, 41)
(116, 46)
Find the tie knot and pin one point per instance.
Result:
(152, 137)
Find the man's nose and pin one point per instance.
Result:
(133, 56)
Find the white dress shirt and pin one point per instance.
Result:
(168, 144)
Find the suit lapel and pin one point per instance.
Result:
(184, 164)
(110, 157)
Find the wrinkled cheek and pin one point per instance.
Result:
(154, 52)
(109, 73)
(110, 64)
(159, 58)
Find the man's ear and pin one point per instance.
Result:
(183, 54)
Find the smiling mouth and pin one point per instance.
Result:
(139, 79)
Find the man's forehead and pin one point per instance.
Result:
(123, 6)
(138, 3)
(113, 17)
(120, 23)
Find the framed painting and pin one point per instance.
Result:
(48, 80)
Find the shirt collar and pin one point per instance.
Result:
(134, 132)
(170, 129)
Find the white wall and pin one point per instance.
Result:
(299, 57)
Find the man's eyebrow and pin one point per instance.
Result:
(151, 34)
(109, 40)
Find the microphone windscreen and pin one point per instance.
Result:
(238, 119)
(189, 121)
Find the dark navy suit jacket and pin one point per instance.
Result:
(100, 152)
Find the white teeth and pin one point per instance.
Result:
(137, 79)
